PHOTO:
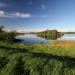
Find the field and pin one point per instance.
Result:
(36, 60)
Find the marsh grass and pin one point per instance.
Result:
(36, 60)
(63, 43)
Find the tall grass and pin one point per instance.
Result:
(36, 60)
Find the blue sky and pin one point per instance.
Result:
(38, 15)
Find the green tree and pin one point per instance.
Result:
(1, 28)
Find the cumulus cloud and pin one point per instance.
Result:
(14, 15)
(22, 15)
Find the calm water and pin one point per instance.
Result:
(32, 39)
(67, 37)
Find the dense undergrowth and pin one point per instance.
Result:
(19, 59)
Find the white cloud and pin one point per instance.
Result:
(5, 14)
(2, 13)
(22, 15)
(14, 15)
(19, 15)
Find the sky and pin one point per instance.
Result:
(38, 15)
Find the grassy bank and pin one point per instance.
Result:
(36, 60)
(63, 43)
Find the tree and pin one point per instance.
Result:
(49, 34)
(1, 28)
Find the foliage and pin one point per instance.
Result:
(49, 34)
(1, 28)
(8, 36)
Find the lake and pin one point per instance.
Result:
(67, 37)
(34, 39)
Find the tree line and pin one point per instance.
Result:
(9, 36)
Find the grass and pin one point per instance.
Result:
(62, 43)
(36, 60)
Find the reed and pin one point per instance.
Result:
(63, 43)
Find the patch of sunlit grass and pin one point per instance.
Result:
(61, 43)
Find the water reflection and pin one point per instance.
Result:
(67, 37)
(33, 39)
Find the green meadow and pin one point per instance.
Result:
(20, 59)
